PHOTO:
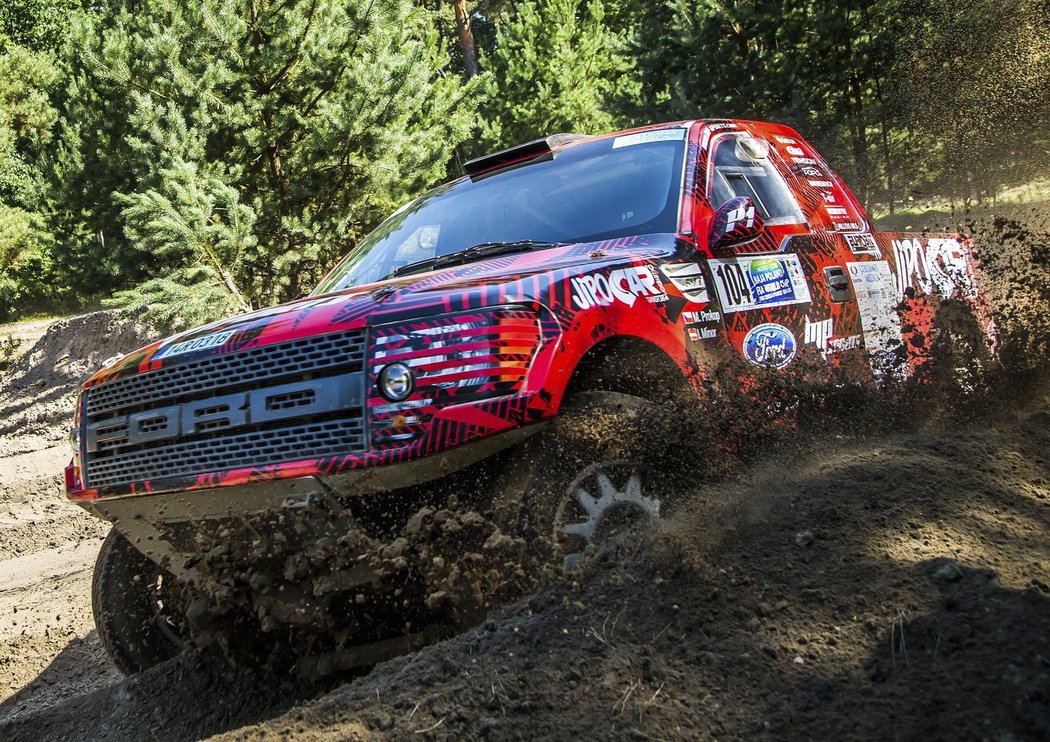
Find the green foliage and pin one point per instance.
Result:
(26, 122)
(38, 25)
(247, 145)
(557, 67)
(206, 157)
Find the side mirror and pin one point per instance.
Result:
(735, 223)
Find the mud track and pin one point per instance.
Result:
(888, 578)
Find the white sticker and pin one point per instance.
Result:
(862, 243)
(688, 279)
(645, 137)
(941, 266)
(759, 281)
(201, 343)
(876, 294)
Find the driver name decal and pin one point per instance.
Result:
(758, 281)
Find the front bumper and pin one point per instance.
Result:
(145, 518)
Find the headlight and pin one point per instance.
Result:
(395, 382)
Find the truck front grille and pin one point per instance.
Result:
(254, 365)
(289, 401)
(229, 452)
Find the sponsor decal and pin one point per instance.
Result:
(820, 183)
(770, 345)
(837, 345)
(720, 127)
(829, 197)
(847, 226)
(784, 140)
(201, 343)
(687, 278)
(625, 285)
(759, 281)
(836, 211)
(804, 160)
(862, 243)
(811, 172)
(877, 301)
(740, 217)
(259, 314)
(818, 333)
(938, 266)
(795, 151)
(645, 137)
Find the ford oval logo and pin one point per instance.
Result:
(770, 345)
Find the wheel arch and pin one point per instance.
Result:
(633, 365)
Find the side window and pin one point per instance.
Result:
(741, 167)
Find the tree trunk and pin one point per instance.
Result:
(466, 38)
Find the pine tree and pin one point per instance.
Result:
(27, 119)
(557, 67)
(240, 147)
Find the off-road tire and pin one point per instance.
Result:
(620, 435)
(135, 628)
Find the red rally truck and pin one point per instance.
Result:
(469, 325)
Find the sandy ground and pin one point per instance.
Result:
(889, 580)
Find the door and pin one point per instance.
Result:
(785, 293)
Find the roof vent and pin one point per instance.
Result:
(538, 150)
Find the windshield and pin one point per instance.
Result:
(615, 187)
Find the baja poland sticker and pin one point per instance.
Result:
(759, 281)
(770, 345)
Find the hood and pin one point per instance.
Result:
(521, 278)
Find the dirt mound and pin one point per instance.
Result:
(305, 593)
(898, 585)
(1014, 252)
(37, 392)
(866, 587)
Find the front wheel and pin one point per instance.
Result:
(135, 603)
(593, 476)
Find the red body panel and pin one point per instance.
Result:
(494, 343)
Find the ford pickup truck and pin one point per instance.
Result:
(565, 279)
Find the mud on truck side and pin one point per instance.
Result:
(379, 461)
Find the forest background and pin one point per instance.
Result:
(202, 158)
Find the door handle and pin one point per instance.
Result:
(838, 283)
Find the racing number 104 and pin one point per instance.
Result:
(734, 283)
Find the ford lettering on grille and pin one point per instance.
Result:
(295, 400)
(267, 404)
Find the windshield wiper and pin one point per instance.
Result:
(470, 254)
